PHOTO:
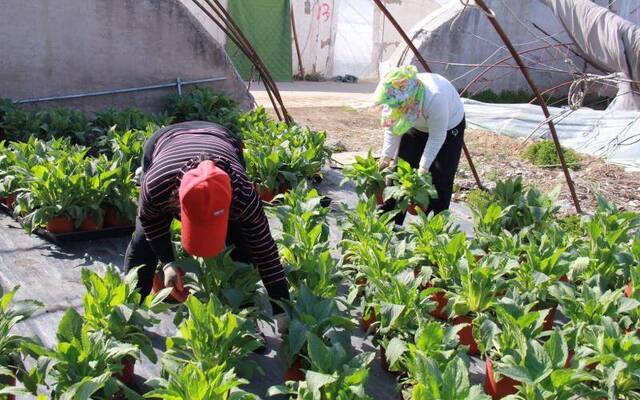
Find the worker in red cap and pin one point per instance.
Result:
(194, 171)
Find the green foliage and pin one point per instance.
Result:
(311, 314)
(304, 245)
(448, 383)
(113, 306)
(194, 383)
(543, 153)
(366, 175)
(211, 336)
(504, 97)
(82, 365)
(279, 155)
(334, 373)
(203, 104)
(478, 199)
(13, 313)
(129, 119)
(410, 186)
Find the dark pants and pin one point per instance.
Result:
(140, 253)
(443, 169)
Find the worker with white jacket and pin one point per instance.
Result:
(424, 122)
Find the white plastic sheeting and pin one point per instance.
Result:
(610, 134)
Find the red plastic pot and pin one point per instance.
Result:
(379, 198)
(89, 224)
(113, 218)
(628, 290)
(128, 369)
(548, 320)
(570, 355)
(294, 372)
(60, 224)
(366, 322)
(441, 301)
(266, 195)
(466, 334)
(412, 209)
(498, 389)
(179, 293)
(564, 278)
(10, 201)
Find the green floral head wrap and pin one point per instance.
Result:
(400, 93)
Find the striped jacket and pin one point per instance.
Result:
(179, 148)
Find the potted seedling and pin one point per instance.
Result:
(211, 336)
(516, 324)
(432, 339)
(263, 166)
(398, 305)
(473, 297)
(333, 373)
(82, 364)
(611, 357)
(432, 381)
(410, 188)
(120, 202)
(194, 383)
(11, 361)
(113, 306)
(235, 284)
(310, 314)
(366, 175)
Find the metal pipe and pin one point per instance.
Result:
(426, 67)
(120, 91)
(543, 104)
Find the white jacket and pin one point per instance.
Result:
(442, 110)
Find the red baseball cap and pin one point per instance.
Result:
(205, 199)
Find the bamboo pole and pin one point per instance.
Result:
(543, 104)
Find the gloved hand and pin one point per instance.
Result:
(422, 171)
(282, 323)
(384, 162)
(172, 278)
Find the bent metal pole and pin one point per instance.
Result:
(543, 104)
(424, 64)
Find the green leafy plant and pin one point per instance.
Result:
(452, 382)
(333, 373)
(410, 187)
(543, 153)
(310, 314)
(82, 365)
(432, 339)
(211, 336)
(606, 248)
(11, 360)
(366, 175)
(129, 119)
(114, 307)
(203, 104)
(193, 383)
(542, 372)
(593, 301)
(235, 284)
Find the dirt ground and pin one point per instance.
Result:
(353, 127)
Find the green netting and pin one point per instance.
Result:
(267, 25)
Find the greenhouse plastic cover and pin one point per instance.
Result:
(610, 134)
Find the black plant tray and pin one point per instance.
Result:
(62, 238)
(104, 233)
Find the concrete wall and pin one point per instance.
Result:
(61, 47)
